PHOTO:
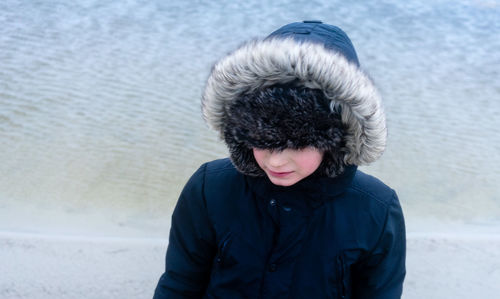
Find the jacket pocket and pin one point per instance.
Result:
(222, 249)
(338, 277)
(341, 276)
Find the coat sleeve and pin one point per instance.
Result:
(191, 245)
(381, 274)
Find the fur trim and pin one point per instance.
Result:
(260, 64)
(281, 117)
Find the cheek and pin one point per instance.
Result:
(310, 162)
(259, 155)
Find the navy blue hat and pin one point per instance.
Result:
(331, 37)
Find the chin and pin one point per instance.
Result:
(283, 182)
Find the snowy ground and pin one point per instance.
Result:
(46, 266)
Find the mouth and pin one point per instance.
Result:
(279, 174)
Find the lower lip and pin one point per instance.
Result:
(279, 174)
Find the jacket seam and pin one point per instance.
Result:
(218, 169)
(204, 171)
(379, 238)
(386, 204)
(386, 220)
(205, 201)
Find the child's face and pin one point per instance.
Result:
(287, 167)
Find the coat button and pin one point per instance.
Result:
(272, 267)
(272, 202)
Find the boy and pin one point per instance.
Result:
(289, 215)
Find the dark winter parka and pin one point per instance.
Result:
(339, 233)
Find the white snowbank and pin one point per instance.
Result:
(48, 266)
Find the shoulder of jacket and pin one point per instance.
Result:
(211, 174)
(223, 187)
(220, 172)
(220, 165)
(373, 188)
(220, 178)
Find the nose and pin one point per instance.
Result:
(277, 159)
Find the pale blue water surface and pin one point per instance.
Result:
(100, 122)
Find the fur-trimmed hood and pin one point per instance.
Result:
(308, 55)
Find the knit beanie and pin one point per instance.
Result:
(301, 86)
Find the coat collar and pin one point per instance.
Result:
(315, 189)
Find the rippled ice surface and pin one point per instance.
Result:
(100, 121)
